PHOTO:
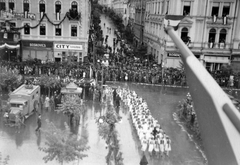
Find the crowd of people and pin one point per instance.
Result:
(125, 69)
(149, 131)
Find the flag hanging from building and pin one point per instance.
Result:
(173, 20)
(91, 72)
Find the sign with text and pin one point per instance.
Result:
(68, 47)
(38, 44)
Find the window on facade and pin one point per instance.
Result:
(74, 30)
(58, 7)
(222, 35)
(27, 28)
(42, 6)
(58, 31)
(12, 24)
(167, 6)
(212, 35)
(158, 7)
(26, 5)
(74, 6)
(2, 5)
(226, 9)
(215, 8)
(11, 4)
(186, 8)
(184, 34)
(43, 29)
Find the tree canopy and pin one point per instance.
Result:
(62, 145)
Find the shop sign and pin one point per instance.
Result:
(68, 46)
(37, 44)
(173, 55)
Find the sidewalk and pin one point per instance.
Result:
(97, 152)
(127, 140)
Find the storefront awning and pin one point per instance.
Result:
(5, 45)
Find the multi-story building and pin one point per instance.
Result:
(121, 8)
(210, 29)
(49, 30)
(107, 3)
(138, 26)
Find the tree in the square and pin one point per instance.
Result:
(48, 82)
(9, 78)
(73, 107)
(62, 145)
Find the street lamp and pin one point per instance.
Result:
(163, 74)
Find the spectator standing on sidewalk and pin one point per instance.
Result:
(39, 123)
(47, 103)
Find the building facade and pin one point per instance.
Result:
(107, 3)
(121, 8)
(210, 29)
(49, 30)
(138, 25)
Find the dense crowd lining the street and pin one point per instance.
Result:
(126, 69)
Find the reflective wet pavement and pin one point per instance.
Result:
(22, 147)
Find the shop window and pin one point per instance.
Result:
(226, 9)
(43, 29)
(74, 30)
(74, 6)
(26, 5)
(11, 5)
(58, 31)
(215, 9)
(2, 5)
(27, 28)
(184, 34)
(58, 9)
(186, 8)
(211, 39)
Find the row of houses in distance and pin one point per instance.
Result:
(211, 29)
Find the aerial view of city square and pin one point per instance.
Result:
(119, 82)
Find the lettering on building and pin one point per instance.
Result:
(37, 45)
(68, 46)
